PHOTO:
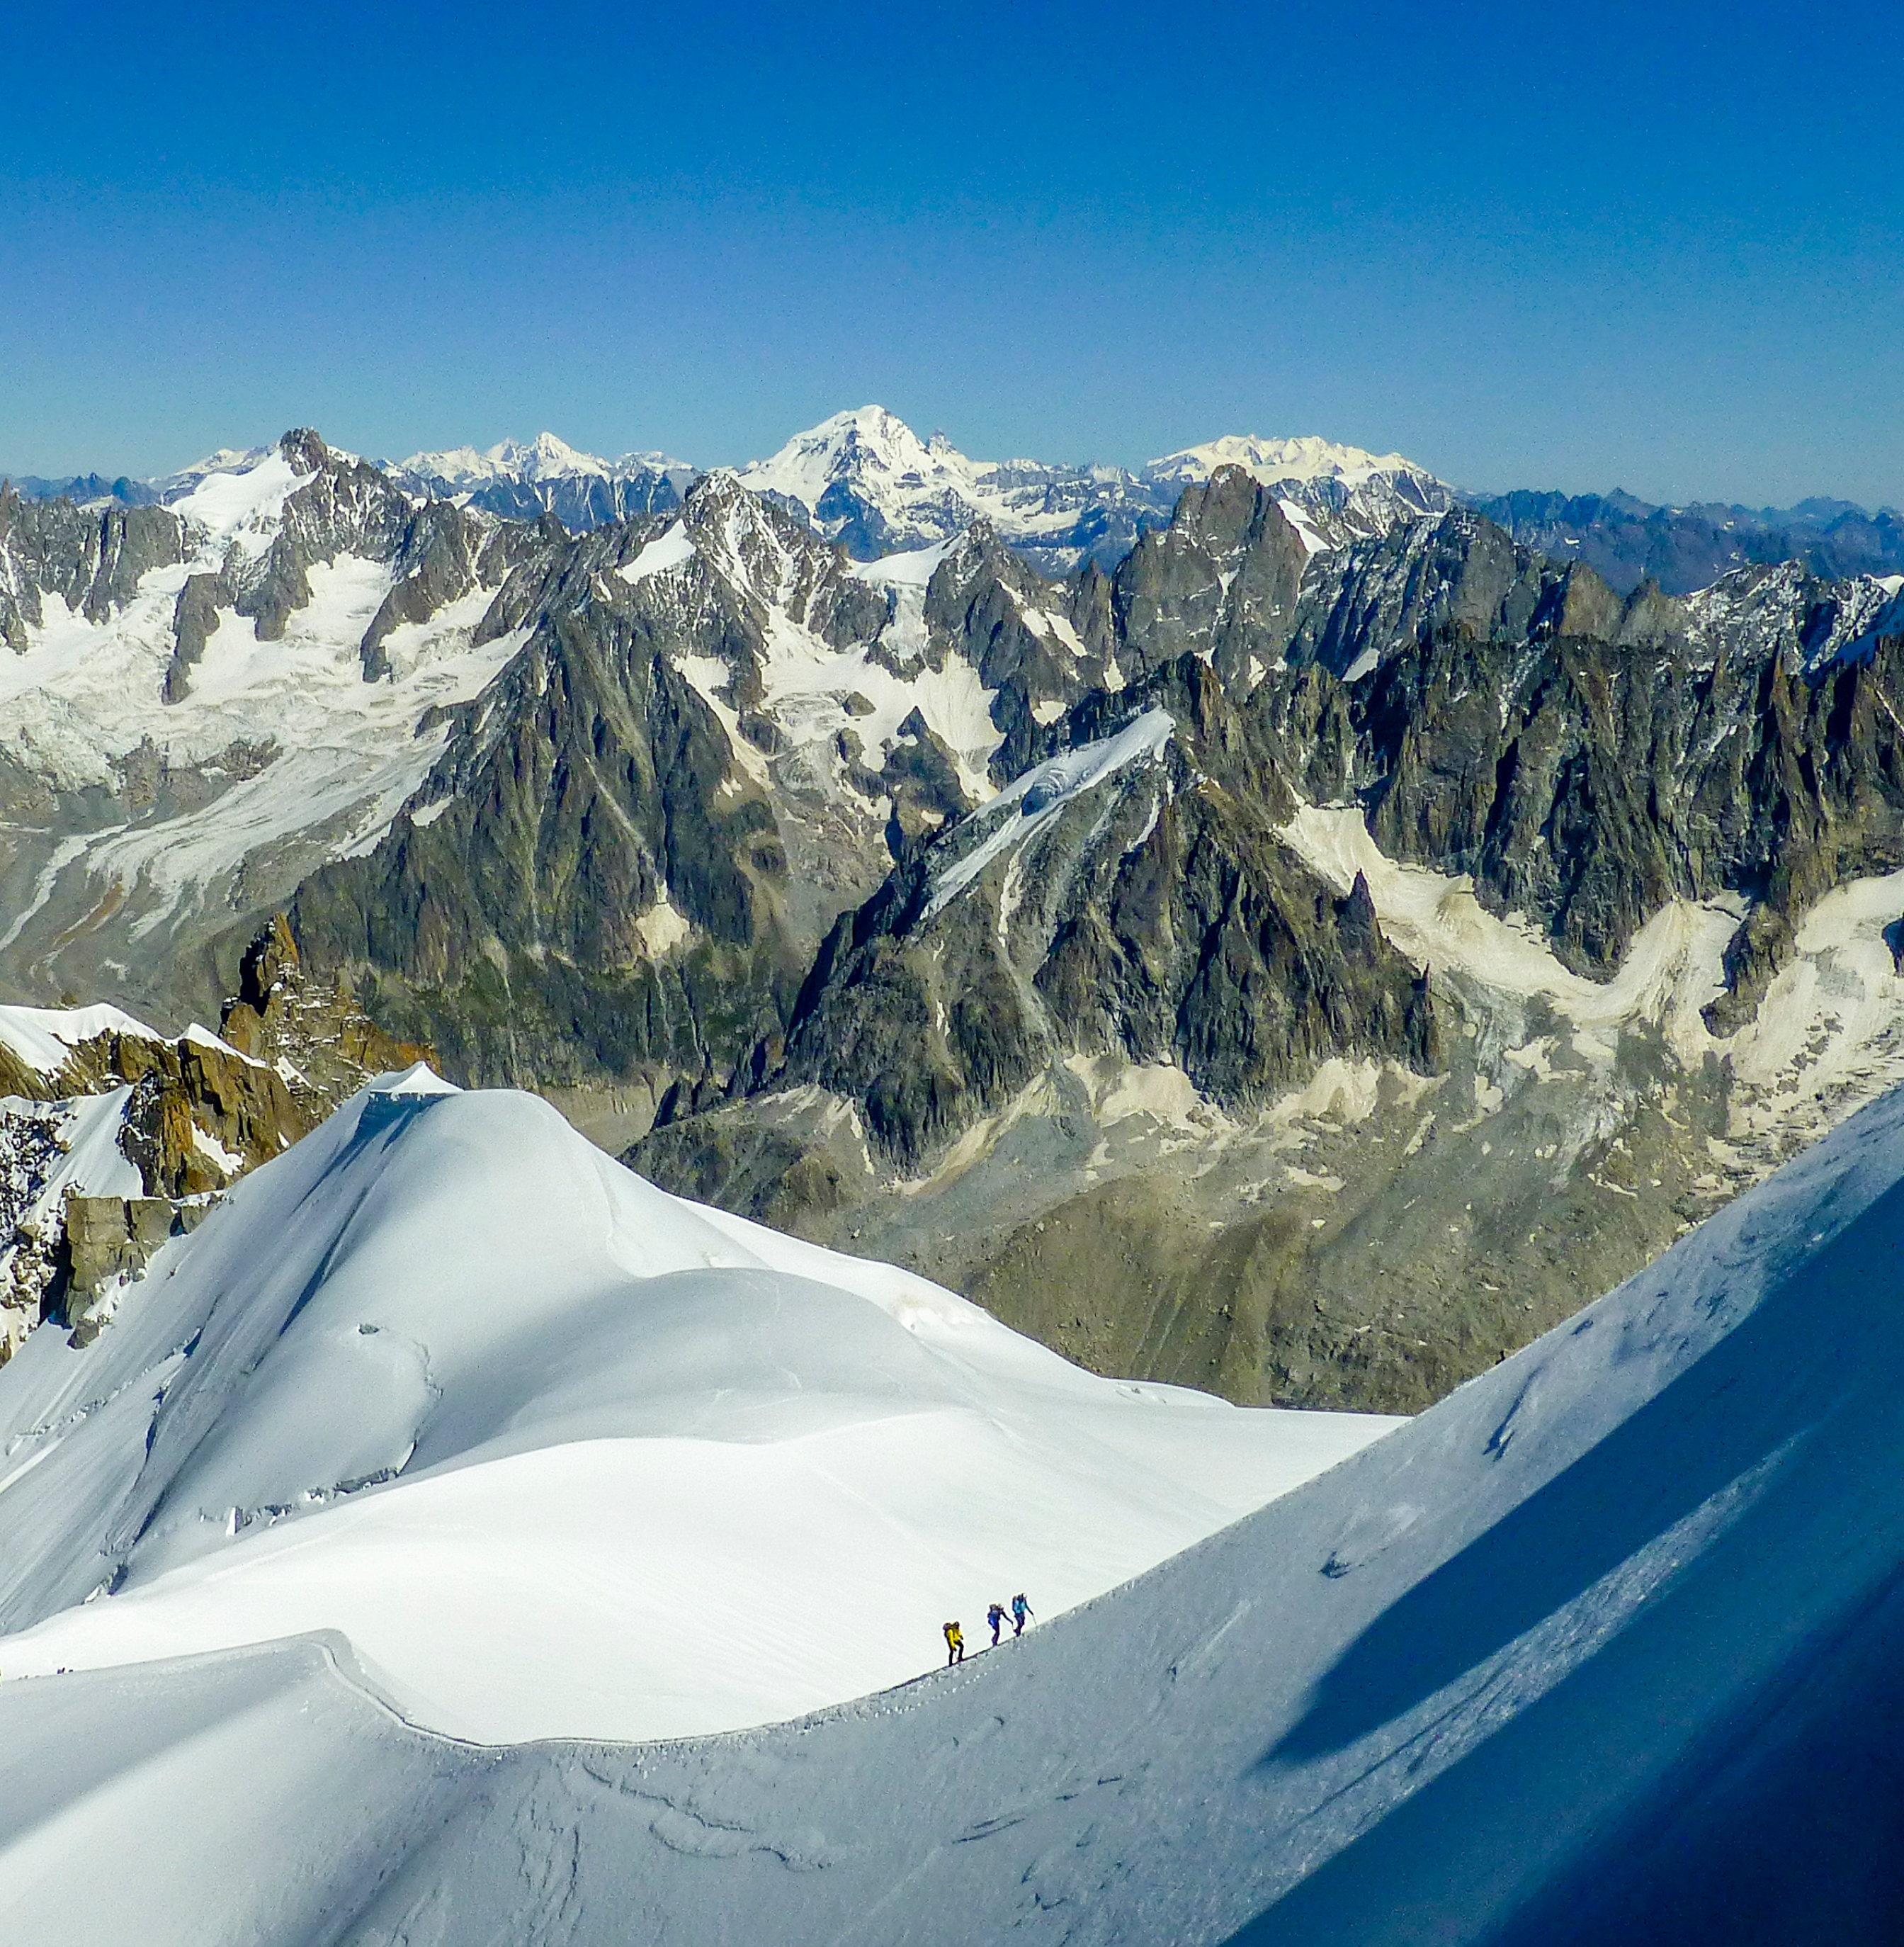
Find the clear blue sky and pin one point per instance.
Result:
(1656, 245)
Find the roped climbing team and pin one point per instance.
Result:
(1021, 1614)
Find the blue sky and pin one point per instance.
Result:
(1656, 246)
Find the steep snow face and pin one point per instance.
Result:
(1019, 813)
(1611, 1633)
(172, 487)
(562, 1455)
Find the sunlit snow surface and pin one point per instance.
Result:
(1607, 1647)
(662, 1472)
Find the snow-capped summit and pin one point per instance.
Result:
(545, 457)
(867, 480)
(1333, 493)
(546, 475)
(172, 487)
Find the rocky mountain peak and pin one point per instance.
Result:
(303, 450)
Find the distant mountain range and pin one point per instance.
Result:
(867, 480)
(1684, 549)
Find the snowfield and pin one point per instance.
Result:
(1608, 1646)
(563, 1457)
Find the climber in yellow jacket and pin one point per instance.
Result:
(955, 1645)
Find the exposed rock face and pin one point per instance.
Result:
(1151, 910)
(194, 619)
(184, 1118)
(107, 1238)
(1587, 784)
(1221, 581)
(524, 927)
(312, 1033)
(1012, 1090)
(90, 558)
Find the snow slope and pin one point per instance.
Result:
(561, 1456)
(1606, 1647)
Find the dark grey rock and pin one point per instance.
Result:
(195, 617)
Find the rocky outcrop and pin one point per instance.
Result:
(192, 1115)
(1152, 910)
(195, 618)
(311, 1032)
(1587, 786)
(106, 1239)
(90, 558)
(1221, 581)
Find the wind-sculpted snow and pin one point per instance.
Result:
(1604, 1647)
(562, 1455)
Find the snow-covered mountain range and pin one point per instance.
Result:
(867, 480)
(884, 490)
(545, 474)
(773, 860)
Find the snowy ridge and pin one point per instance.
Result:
(1536, 1666)
(1273, 461)
(447, 1380)
(1331, 494)
(43, 1037)
(545, 457)
(1026, 808)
